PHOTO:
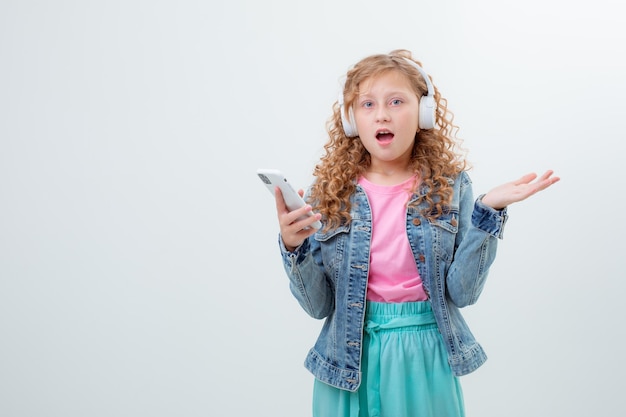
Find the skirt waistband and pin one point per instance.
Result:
(382, 311)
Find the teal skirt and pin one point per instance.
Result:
(405, 369)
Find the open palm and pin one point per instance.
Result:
(518, 190)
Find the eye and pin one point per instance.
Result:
(367, 104)
(396, 102)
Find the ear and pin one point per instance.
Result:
(348, 123)
(427, 112)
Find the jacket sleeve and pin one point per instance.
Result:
(307, 280)
(476, 243)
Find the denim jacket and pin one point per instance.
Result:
(328, 277)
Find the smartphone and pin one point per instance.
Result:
(274, 177)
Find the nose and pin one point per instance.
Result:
(382, 115)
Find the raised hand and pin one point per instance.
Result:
(518, 190)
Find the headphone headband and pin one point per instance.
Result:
(429, 85)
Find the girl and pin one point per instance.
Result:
(403, 247)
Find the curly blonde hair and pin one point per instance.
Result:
(435, 157)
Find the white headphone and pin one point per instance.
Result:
(427, 107)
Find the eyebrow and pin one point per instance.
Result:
(390, 94)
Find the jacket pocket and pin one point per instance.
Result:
(332, 245)
(445, 228)
(325, 236)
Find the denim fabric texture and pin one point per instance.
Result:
(328, 277)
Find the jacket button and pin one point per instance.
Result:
(453, 222)
(422, 258)
(417, 222)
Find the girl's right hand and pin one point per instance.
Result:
(293, 231)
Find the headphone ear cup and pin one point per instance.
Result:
(427, 112)
(348, 123)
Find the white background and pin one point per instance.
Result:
(139, 271)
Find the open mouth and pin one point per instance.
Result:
(384, 136)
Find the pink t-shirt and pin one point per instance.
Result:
(393, 275)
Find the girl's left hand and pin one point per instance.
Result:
(514, 191)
